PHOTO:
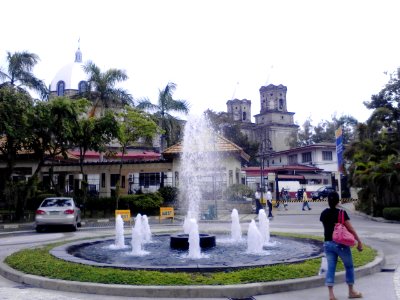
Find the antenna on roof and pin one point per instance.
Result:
(269, 74)
(234, 90)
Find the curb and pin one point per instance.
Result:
(203, 291)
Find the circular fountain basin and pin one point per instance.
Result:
(226, 255)
(181, 241)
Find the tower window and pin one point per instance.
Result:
(60, 88)
(244, 115)
(82, 87)
(280, 103)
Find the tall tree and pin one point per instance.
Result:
(103, 90)
(231, 130)
(166, 105)
(375, 155)
(135, 125)
(15, 114)
(305, 133)
(18, 73)
(94, 134)
(52, 128)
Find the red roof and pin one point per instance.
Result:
(132, 155)
(255, 171)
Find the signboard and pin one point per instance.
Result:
(125, 214)
(166, 213)
(339, 148)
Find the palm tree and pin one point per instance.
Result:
(102, 87)
(19, 73)
(166, 104)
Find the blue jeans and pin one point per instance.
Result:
(305, 204)
(332, 252)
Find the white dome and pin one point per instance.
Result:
(71, 74)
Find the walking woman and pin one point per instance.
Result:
(333, 250)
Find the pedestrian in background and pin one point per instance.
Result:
(334, 250)
(269, 203)
(305, 200)
(257, 197)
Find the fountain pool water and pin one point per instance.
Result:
(226, 255)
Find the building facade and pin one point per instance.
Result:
(274, 122)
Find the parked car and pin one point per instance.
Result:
(322, 192)
(58, 211)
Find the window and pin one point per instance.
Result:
(60, 88)
(244, 115)
(306, 157)
(103, 180)
(230, 177)
(82, 87)
(280, 104)
(148, 179)
(326, 155)
(293, 159)
(114, 179)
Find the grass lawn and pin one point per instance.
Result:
(38, 261)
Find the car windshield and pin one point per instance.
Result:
(56, 203)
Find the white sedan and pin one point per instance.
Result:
(58, 211)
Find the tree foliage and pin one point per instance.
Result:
(375, 166)
(103, 88)
(18, 73)
(16, 111)
(162, 111)
(135, 125)
(231, 130)
(324, 131)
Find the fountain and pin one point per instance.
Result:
(236, 230)
(254, 239)
(198, 158)
(263, 226)
(192, 250)
(119, 234)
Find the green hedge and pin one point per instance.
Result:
(391, 213)
(34, 202)
(169, 193)
(237, 192)
(148, 204)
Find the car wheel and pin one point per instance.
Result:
(39, 228)
(320, 197)
(73, 227)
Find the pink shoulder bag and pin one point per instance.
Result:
(340, 233)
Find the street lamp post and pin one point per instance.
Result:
(264, 152)
(214, 138)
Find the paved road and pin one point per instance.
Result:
(384, 236)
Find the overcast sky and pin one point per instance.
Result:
(331, 55)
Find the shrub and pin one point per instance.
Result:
(34, 202)
(237, 192)
(143, 203)
(391, 213)
(169, 193)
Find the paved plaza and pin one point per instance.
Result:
(384, 236)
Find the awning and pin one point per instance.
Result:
(290, 177)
